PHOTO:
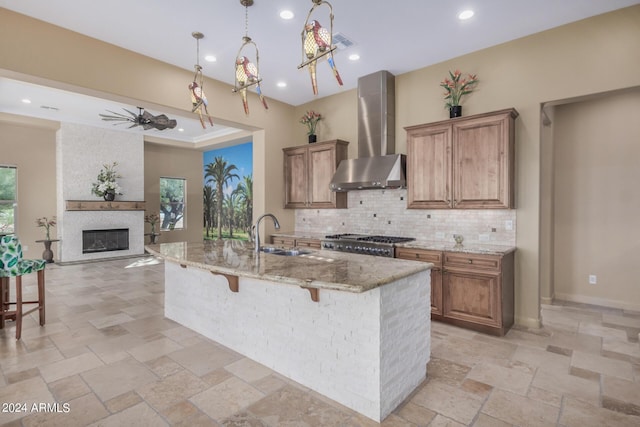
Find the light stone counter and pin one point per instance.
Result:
(317, 269)
(301, 234)
(472, 248)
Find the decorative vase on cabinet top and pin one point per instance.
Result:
(455, 111)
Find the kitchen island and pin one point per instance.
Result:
(353, 328)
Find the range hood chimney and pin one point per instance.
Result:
(376, 166)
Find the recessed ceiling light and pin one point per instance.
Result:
(286, 14)
(354, 57)
(26, 101)
(465, 14)
(210, 58)
(281, 84)
(180, 130)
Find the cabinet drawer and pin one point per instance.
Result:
(283, 241)
(434, 257)
(308, 243)
(473, 261)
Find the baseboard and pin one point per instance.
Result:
(548, 301)
(529, 322)
(603, 302)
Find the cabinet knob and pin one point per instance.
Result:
(417, 255)
(470, 261)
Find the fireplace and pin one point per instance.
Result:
(116, 239)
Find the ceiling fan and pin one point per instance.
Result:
(143, 118)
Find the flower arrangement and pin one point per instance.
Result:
(107, 181)
(310, 120)
(152, 219)
(46, 224)
(455, 88)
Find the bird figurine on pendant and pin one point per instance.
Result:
(199, 102)
(247, 74)
(318, 39)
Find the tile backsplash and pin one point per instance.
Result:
(385, 212)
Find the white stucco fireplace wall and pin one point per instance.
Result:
(81, 152)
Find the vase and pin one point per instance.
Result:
(109, 196)
(455, 111)
(152, 238)
(47, 255)
(313, 138)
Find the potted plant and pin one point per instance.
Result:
(310, 120)
(107, 185)
(152, 219)
(455, 88)
(47, 223)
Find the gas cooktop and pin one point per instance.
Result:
(364, 244)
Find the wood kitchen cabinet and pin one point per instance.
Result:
(291, 242)
(285, 242)
(307, 174)
(434, 257)
(474, 291)
(462, 163)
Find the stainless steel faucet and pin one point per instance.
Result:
(256, 237)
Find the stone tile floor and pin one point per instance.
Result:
(108, 357)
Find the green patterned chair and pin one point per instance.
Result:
(13, 265)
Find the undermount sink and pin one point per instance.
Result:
(282, 251)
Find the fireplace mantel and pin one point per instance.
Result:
(103, 205)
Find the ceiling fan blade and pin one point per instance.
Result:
(134, 115)
(144, 119)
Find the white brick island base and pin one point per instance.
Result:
(367, 351)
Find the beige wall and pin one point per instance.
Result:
(32, 148)
(170, 162)
(597, 200)
(590, 56)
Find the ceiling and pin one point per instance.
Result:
(395, 36)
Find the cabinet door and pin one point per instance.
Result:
(285, 242)
(308, 243)
(472, 297)
(322, 166)
(295, 177)
(434, 257)
(436, 294)
(481, 163)
(429, 167)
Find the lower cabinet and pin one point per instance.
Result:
(470, 290)
(434, 257)
(292, 242)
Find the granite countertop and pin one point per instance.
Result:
(317, 269)
(471, 248)
(300, 235)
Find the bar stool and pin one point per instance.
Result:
(13, 265)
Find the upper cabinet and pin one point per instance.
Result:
(308, 171)
(462, 163)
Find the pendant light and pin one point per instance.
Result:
(247, 72)
(317, 42)
(199, 100)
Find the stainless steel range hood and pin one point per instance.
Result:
(376, 166)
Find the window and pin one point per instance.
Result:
(173, 200)
(8, 202)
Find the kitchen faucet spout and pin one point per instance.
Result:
(256, 237)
